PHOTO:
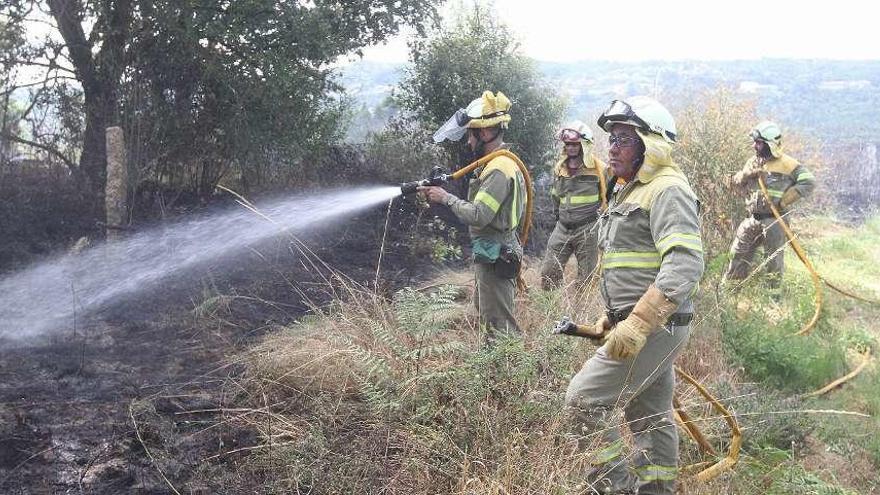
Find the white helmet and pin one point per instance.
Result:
(643, 112)
(767, 131)
(575, 131)
(770, 133)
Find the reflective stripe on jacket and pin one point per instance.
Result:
(578, 198)
(783, 173)
(496, 202)
(650, 234)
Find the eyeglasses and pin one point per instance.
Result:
(621, 141)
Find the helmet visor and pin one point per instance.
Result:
(621, 111)
(618, 111)
(462, 117)
(454, 128)
(570, 136)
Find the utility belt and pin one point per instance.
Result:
(762, 216)
(676, 320)
(577, 225)
(506, 263)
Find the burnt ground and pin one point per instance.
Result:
(86, 410)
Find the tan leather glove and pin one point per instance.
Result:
(746, 174)
(789, 197)
(649, 314)
(601, 327)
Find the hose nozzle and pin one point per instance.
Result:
(438, 177)
(567, 327)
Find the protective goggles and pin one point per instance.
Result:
(756, 136)
(571, 136)
(620, 111)
(462, 118)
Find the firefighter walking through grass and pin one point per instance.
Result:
(493, 211)
(578, 193)
(652, 260)
(787, 182)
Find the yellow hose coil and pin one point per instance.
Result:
(732, 457)
(818, 286)
(803, 257)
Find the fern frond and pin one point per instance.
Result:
(423, 315)
(380, 400)
(384, 335)
(375, 364)
(437, 350)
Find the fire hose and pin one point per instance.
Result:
(816, 278)
(438, 178)
(796, 246)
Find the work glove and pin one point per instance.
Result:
(649, 314)
(602, 326)
(789, 197)
(743, 176)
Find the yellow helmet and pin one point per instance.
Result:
(770, 133)
(489, 110)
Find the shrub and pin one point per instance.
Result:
(767, 349)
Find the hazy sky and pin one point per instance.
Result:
(683, 29)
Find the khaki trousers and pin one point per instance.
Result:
(750, 234)
(582, 242)
(493, 299)
(640, 388)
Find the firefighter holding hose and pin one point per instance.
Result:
(493, 210)
(787, 182)
(652, 260)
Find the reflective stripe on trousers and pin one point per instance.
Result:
(640, 388)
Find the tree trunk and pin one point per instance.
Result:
(99, 73)
(92, 162)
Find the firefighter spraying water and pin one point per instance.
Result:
(499, 203)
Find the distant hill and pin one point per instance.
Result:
(836, 100)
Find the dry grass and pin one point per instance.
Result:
(352, 399)
(493, 424)
(853, 470)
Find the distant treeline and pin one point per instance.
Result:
(834, 101)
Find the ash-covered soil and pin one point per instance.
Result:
(92, 408)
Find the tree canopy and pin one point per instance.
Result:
(455, 64)
(199, 86)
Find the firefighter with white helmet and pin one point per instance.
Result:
(493, 210)
(787, 181)
(578, 194)
(652, 260)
